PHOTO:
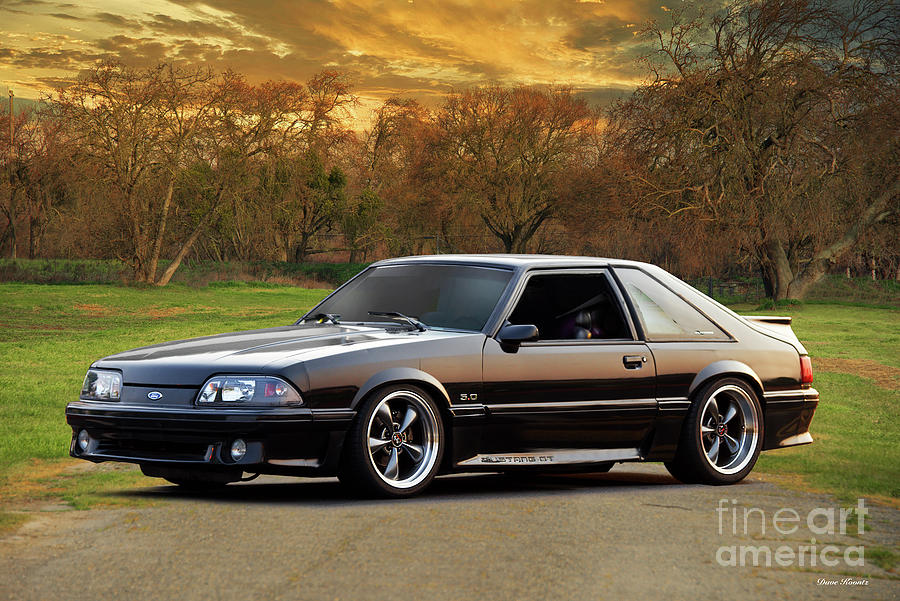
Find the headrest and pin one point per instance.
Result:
(583, 319)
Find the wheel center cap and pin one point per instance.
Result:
(396, 439)
(721, 429)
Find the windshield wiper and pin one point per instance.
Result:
(323, 317)
(410, 320)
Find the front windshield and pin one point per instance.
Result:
(458, 297)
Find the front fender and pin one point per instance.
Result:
(398, 374)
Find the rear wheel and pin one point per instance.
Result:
(394, 447)
(722, 435)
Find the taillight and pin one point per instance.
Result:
(806, 375)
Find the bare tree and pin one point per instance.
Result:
(776, 122)
(136, 124)
(188, 99)
(505, 150)
(290, 130)
(302, 199)
(360, 224)
(150, 130)
(113, 112)
(38, 167)
(402, 166)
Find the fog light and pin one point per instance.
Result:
(84, 440)
(238, 449)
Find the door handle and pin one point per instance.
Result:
(634, 361)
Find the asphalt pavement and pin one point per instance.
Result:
(634, 533)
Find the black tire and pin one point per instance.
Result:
(396, 459)
(722, 435)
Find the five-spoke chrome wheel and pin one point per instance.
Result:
(395, 446)
(729, 428)
(403, 438)
(721, 435)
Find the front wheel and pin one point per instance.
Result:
(721, 436)
(395, 445)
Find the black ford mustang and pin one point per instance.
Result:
(424, 365)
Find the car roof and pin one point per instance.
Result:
(517, 262)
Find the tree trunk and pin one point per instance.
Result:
(448, 246)
(520, 246)
(3, 238)
(138, 260)
(32, 237)
(815, 270)
(768, 279)
(36, 224)
(201, 225)
(780, 268)
(281, 245)
(170, 270)
(161, 231)
(302, 250)
(13, 234)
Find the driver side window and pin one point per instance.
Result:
(571, 307)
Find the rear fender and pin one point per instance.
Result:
(723, 369)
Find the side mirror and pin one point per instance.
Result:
(514, 335)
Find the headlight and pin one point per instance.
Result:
(101, 385)
(248, 391)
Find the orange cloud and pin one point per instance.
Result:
(419, 48)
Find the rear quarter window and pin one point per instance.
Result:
(664, 314)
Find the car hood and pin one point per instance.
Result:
(267, 351)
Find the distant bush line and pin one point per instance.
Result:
(730, 291)
(195, 273)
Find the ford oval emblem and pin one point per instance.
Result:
(154, 395)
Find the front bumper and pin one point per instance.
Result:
(279, 440)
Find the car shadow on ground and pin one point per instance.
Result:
(328, 491)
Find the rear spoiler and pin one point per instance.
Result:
(783, 320)
(777, 326)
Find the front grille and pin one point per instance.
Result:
(153, 449)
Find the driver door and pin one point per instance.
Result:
(587, 383)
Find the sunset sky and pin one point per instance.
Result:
(419, 48)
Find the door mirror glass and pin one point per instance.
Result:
(517, 334)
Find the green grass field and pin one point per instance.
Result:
(856, 364)
(49, 334)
